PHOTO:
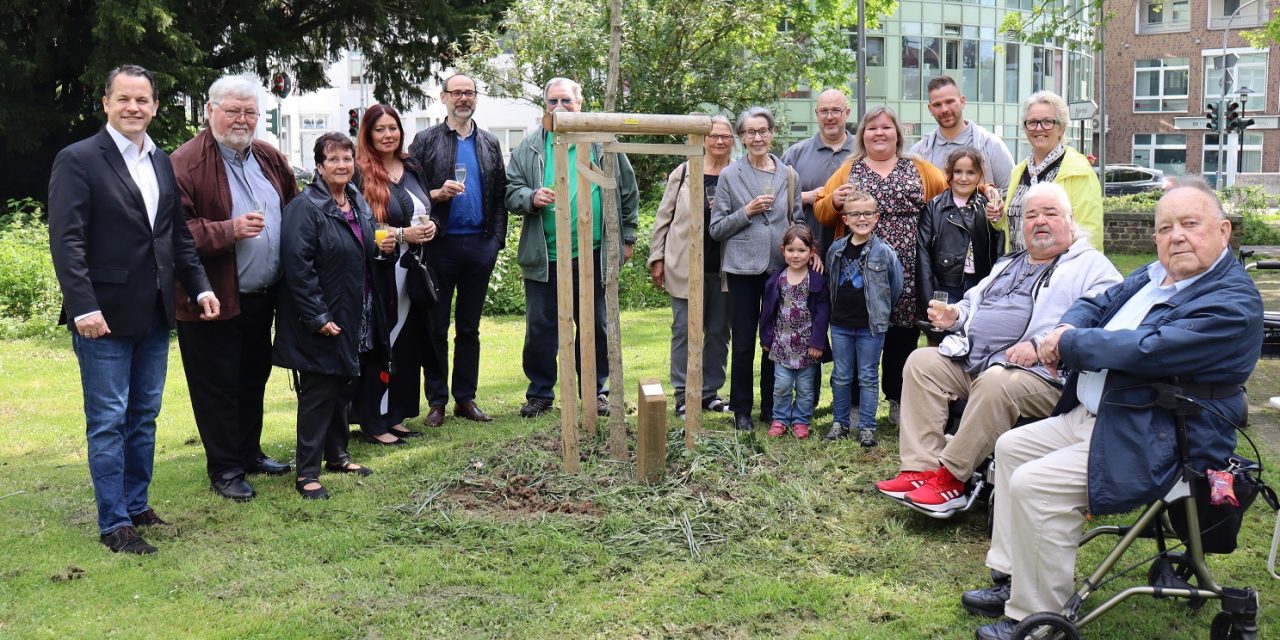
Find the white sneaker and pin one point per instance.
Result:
(895, 412)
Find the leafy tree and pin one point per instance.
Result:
(58, 52)
(677, 56)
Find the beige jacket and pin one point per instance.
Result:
(670, 242)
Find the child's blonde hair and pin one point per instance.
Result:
(858, 195)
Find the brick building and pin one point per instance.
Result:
(1163, 64)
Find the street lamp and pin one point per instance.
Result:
(1226, 86)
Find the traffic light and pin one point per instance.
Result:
(1211, 113)
(353, 122)
(273, 121)
(1243, 124)
(1232, 117)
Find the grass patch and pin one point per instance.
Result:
(474, 532)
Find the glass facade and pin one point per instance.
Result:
(924, 39)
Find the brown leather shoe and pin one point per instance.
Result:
(470, 411)
(435, 417)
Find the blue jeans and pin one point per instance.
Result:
(786, 407)
(123, 382)
(860, 349)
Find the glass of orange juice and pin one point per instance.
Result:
(380, 233)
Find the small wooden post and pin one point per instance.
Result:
(651, 436)
(586, 296)
(697, 287)
(564, 309)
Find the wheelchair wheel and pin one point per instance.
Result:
(1046, 626)
(1223, 628)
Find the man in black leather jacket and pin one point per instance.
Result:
(473, 219)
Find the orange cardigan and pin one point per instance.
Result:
(934, 180)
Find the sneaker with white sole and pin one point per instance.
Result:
(716, 405)
(904, 482)
(942, 492)
(837, 432)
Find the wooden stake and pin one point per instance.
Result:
(630, 123)
(564, 309)
(651, 436)
(613, 322)
(586, 298)
(693, 371)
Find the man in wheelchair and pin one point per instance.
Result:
(1193, 318)
(991, 359)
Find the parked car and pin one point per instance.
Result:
(303, 177)
(1124, 179)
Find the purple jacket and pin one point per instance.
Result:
(819, 308)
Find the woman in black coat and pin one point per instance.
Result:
(390, 391)
(327, 317)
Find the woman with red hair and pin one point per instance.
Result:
(388, 392)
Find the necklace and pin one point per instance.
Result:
(342, 204)
(396, 174)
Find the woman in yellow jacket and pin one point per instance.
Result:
(1044, 120)
(901, 186)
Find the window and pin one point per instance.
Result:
(911, 68)
(1164, 16)
(1164, 151)
(284, 137)
(1160, 85)
(508, 139)
(1235, 159)
(313, 121)
(356, 66)
(1011, 93)
(1250, 70)
(1251, 15)
(421, 124)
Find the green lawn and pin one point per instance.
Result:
(472, 532)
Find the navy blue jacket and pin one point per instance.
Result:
(819, 308)
(1210, 332)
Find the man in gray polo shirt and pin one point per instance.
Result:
(946, 105)
(816, 158)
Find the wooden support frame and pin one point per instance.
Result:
(583, 130)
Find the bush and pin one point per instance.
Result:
(506, 285)
(29, 294)
(1144, 202)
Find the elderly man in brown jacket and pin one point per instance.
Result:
(233, 190)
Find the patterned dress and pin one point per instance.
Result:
(900, 197)
(794, 327)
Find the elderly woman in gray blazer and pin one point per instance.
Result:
(757, 198)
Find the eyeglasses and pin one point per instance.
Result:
(861, 215)
(458, 94)
(557, 101)
(247, 114)
(720, 138)
(757, 133)
(831, 113)
(1047, 123)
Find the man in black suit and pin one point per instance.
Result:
(117, 236)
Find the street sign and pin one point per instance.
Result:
(1082, 110)
(1198, 122)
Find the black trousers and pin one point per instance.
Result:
(541, 333)
(899, 342)
(746, 295)
(322, 420)
(227, 364)
(464, 264)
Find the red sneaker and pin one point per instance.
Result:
(800, 430)
(906, 481)
(941, 493)
(777, 429)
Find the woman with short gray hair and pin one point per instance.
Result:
(756, 200)
(1044, 120)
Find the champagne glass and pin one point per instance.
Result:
(260, 208)
(380, 232)
(460, 173)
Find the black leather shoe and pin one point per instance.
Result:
(743, 421)
(535, 407)
(404, 432)
(126, 540)
(435, 416)
(987, 602)
(394, 442)
(347, 466)
(310, 494)
(148, 518)
(471, 411)
(1002, 630)
(232, 486)
(270, 467)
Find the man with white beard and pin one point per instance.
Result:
(233, 190)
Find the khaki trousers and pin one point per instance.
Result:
(1042, 491)
(996, 399)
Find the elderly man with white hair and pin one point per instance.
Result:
(990, 359)
(530, 195)
(233, 189)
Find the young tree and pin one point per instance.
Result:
(58, 52)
